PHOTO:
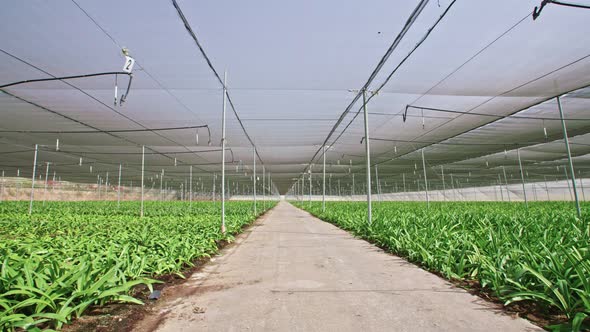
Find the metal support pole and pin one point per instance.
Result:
(453, 188)
(352, 191)
(310, 187)
(119, 188)
(546, 188)
(526, 203)
(161, 182)
(500, 185)
(254, 180)
(377, 183)
(425, 179)
(324, 182)
(569, 157)
(190, 185)
(506, 182)
(223, 155)
(33, 179)
(2, 189)
(368, 158)
(45, 189)
(142, 177)
(442, 170)
(263, 187)
(582, 187)
(404, 180)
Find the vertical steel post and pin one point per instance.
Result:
(142, 177)
(263, 187)
(526, 203)
(2, 188)
(161, 183)
(254, 179)
(569, 156)
(106, 184)
(506, 182)
(442, 170)
(33, 179)
(324, 181)
(425, 179)
(500, 185)
(404, 180)
(377, 183)
(582, 186)
(190, 186)
(46, 176)
(223, 154)
(352, 191)
(119, 188)
(453, 188)
(310, 186)
(367, 157)
(546, 188)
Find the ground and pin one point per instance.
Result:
(294, 272)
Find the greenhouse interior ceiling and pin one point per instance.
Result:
(447, 85)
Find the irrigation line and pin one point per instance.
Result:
(66, 78)
(90, 96)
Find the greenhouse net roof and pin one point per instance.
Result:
(480, 83)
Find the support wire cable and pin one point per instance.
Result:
(210, 64)
(448, 75)
(409, 22)
(422, 40)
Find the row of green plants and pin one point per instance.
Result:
(539, 255)
(69, 256)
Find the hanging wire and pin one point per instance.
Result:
(63, 78)
(210, 64)
(510, 116)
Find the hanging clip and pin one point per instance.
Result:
(537, 10)
(116, 89)
(128, 68)
(423, 126)
(545, 131)
(405, 113)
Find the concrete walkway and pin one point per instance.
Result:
(293, 272)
